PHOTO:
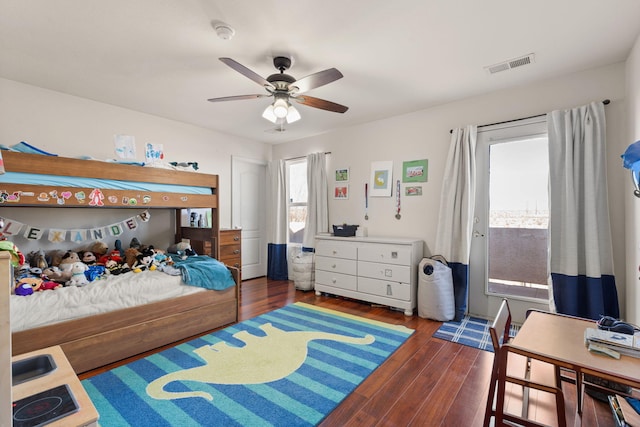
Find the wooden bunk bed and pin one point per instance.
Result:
(98, 340)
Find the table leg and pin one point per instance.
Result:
(579, 391)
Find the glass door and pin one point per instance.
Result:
(509, 250)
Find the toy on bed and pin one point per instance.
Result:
(78, 278)
(89, 258)
(37, 259)
(181, 250)
(23, 289)
(17, 258)
(29, 284)
(114, 263)
(60, 271)
(145, 260)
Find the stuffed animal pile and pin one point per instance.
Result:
(40, 271)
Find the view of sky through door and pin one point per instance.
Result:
(519, 217)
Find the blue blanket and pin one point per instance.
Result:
(205, 272)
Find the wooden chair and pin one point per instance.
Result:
(519, 370)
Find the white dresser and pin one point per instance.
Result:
(381, 270)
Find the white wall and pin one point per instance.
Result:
(425, 134)
(632, 204)
(72, 126)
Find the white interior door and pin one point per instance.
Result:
(248, 188)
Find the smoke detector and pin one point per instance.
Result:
(511, 63)
(224, 31)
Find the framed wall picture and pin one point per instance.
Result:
(381, 179)
(341, 191)
(415, 171)
(413, 190)
(342, 175)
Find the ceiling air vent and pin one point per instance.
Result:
(512, 63)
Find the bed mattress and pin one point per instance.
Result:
(101, 296)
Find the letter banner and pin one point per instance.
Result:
(10, 227)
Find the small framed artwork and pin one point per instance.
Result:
(415, 190)
(381, 179)
(342, 175)
(415, 171)
(341, 191)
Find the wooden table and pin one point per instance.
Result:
(63, 374)
(559, 340)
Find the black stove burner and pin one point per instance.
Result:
(44, 408)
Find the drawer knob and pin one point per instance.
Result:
(335, 252)
(236, 238)
(333, 266)
(237, 251)
(333, 280)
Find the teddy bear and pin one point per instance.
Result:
(54, 257)
(78, 277)
(98, 248)
(131, 256)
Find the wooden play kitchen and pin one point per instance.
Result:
(47, 390)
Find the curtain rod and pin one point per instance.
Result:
(605, 102)
(303, 157)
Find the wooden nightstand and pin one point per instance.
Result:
(231, 247)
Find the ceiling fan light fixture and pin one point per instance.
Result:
(269, 114)
(292, 114)
(280, 108)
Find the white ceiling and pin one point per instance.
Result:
(161, 56)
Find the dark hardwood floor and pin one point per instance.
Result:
(426, 382)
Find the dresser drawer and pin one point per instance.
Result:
(337, 265)
(234, 261)
(399, 291)
(389, 254)
(229, 237)
(336, 249)
(391, 272)
(229, 251)
(336, 280)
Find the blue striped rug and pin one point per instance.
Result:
(470, 331)
(288, 367)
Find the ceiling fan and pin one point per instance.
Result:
(285, 88)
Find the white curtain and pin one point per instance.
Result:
(579, 231)
(318, 199)
(455, 219)
(277, 215)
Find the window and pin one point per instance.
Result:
(297, 199)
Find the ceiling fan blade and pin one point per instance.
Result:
(246, 72)
(237, 98)
(318, 79)
(310, 101)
